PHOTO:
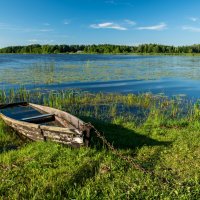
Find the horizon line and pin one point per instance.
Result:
(97, 44)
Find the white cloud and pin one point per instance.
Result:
(66, 22)
(191, 28)
(158, 27)
(45, 30)
(46, 24)
(9, 27)
(110, 2)
(60, 36)
(108, 25)
(119, 3)
(194, 19)
(130, 22)
(33, 40)
(4, 26)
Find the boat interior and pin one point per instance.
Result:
(24, 112)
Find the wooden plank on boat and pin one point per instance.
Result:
(58, 129)
(66, 118)
(40, 118)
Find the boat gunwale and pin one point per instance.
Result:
(38, 126)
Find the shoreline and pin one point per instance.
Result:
(117, 54)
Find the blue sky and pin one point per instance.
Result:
(130, 22)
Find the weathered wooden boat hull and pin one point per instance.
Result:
(73, 132)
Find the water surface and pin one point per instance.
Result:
(170, 75)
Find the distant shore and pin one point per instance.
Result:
(144, 49)
(128, 54)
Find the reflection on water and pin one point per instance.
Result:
(107, 73)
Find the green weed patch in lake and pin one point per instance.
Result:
(131, 68)
(165, 142)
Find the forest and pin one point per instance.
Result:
(102, 49)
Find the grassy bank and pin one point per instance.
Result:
(155, 131)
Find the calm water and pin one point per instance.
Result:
(171, 75)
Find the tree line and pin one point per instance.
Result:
(102, 49)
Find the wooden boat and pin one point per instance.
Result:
(42, 123)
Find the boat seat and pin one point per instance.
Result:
(40, 119)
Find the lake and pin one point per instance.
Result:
(170, 75)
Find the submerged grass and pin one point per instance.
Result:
(117, 68)
(155, 131)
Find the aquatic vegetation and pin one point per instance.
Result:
(120, 68)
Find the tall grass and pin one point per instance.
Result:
(155, 131)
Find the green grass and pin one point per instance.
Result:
(8, 139)
(165, 141)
